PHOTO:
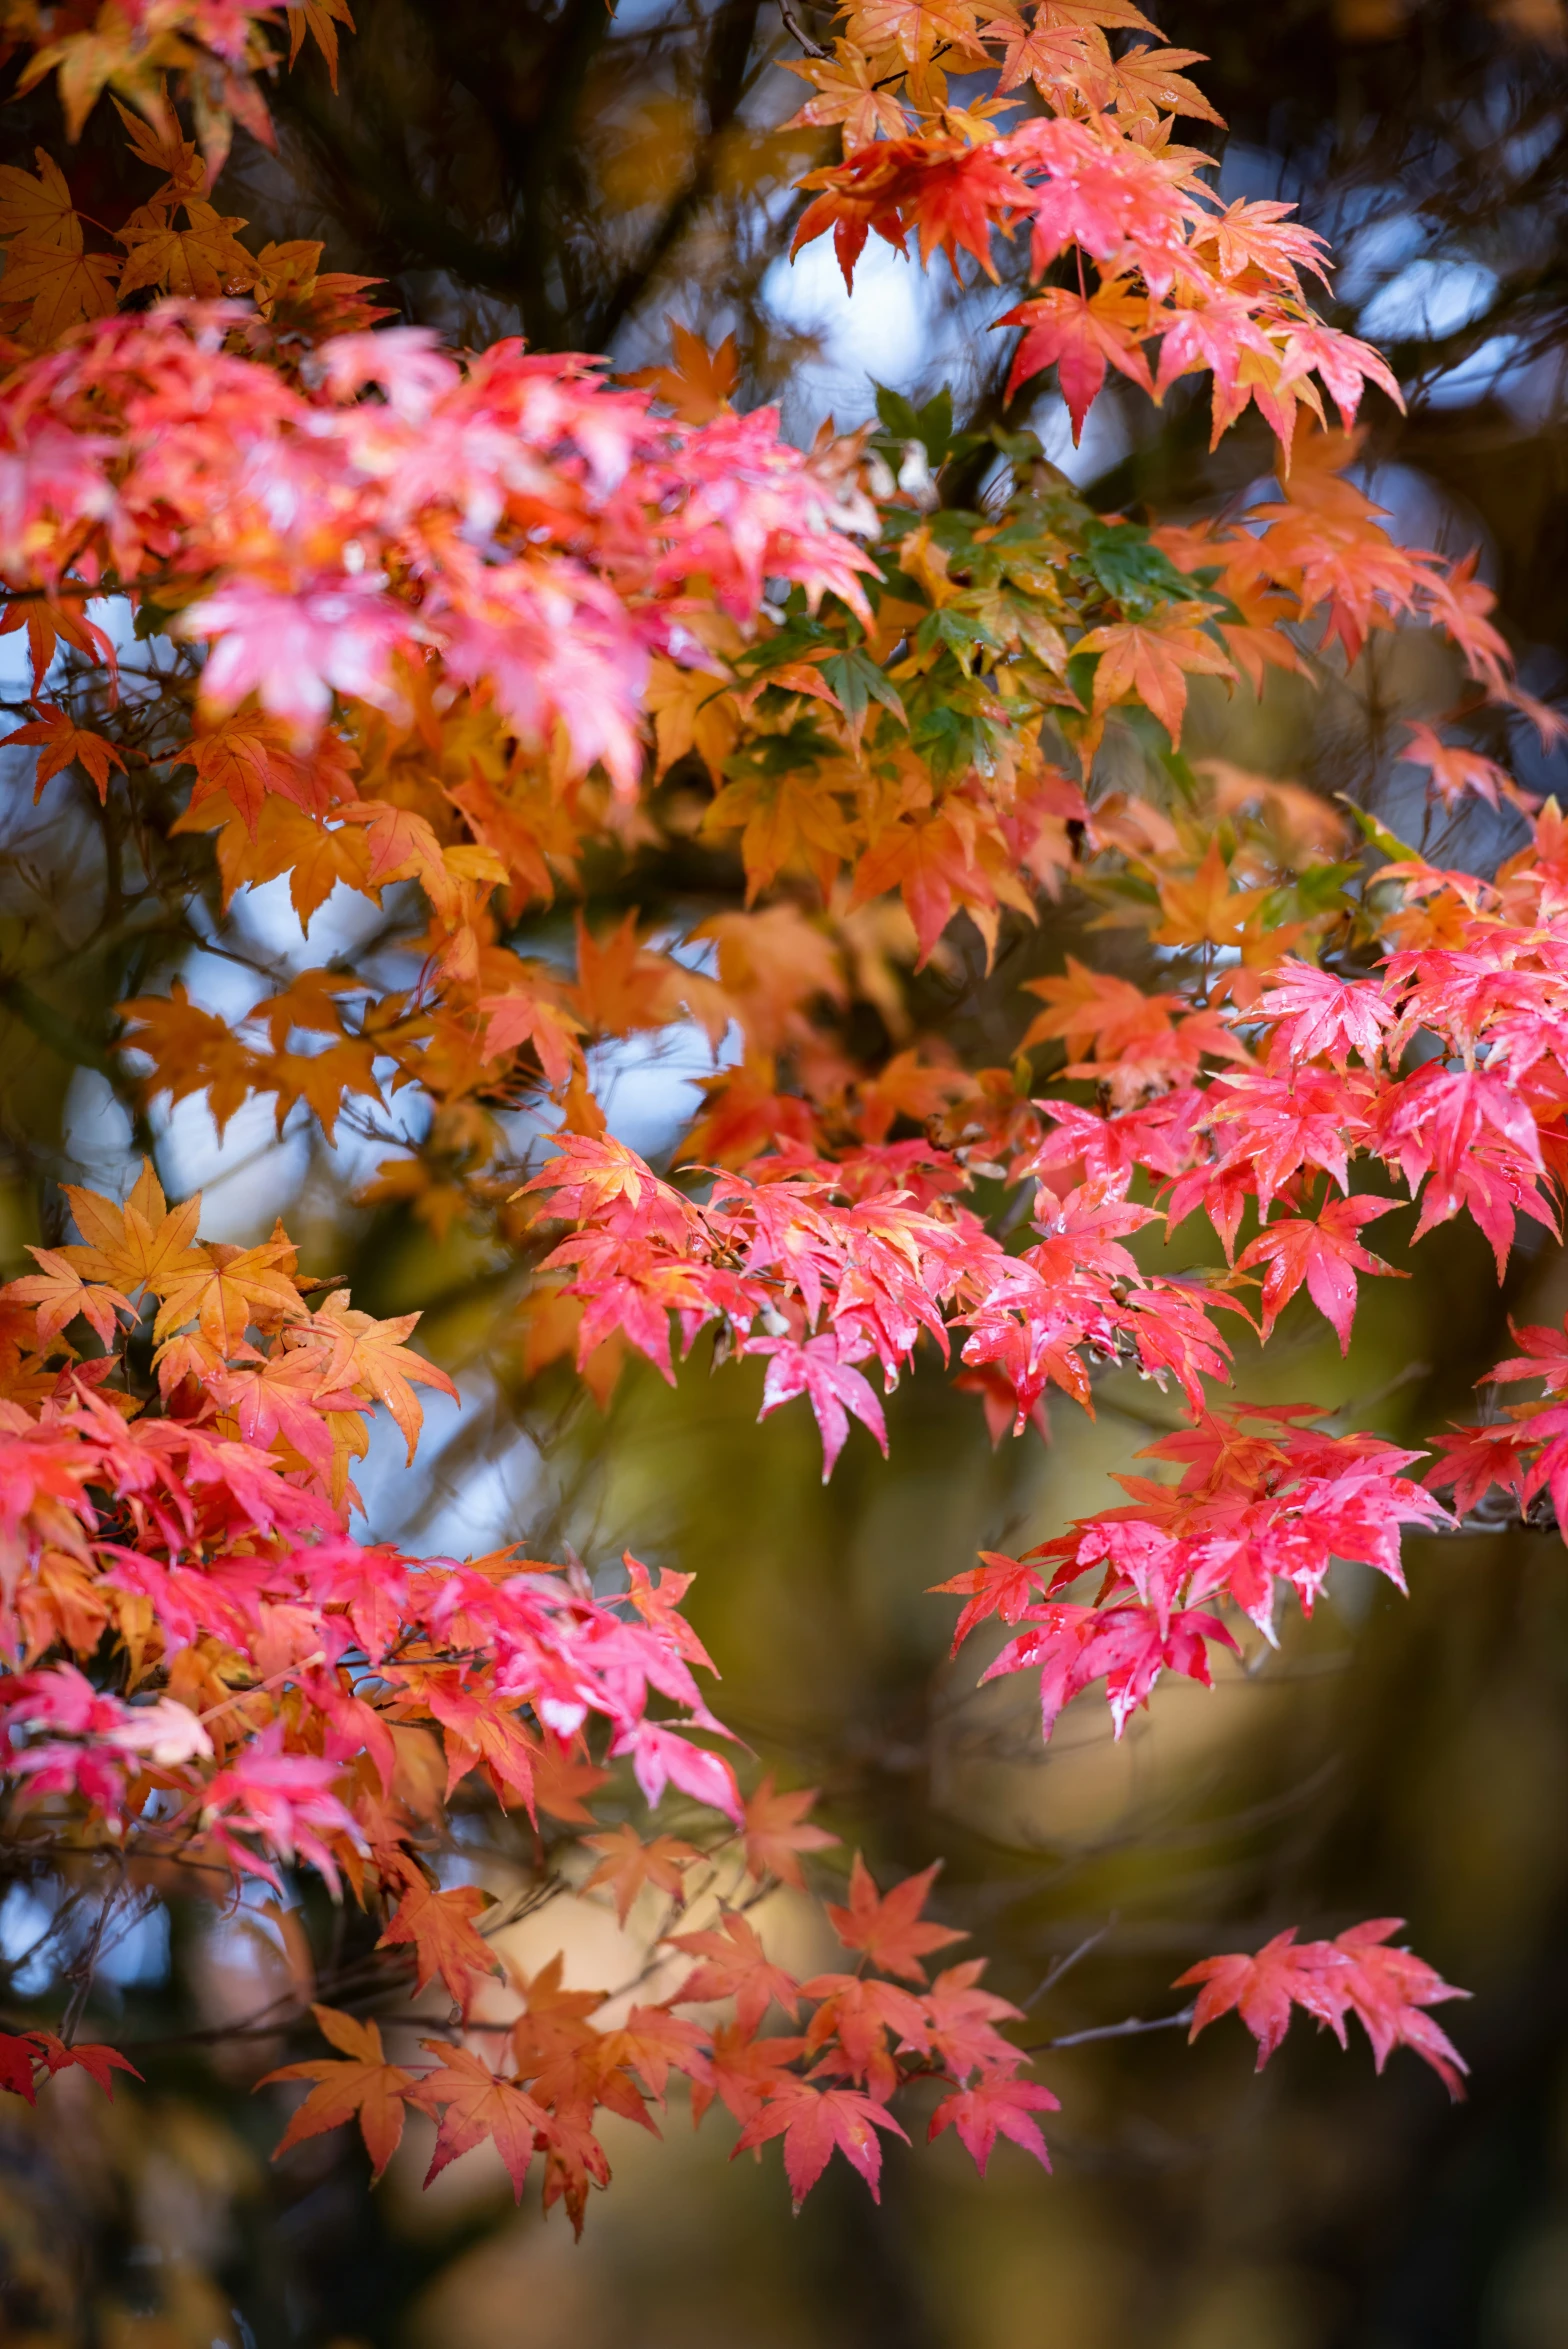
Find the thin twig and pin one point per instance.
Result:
(1132, 2028)
(1065, 1965)
(798, 32)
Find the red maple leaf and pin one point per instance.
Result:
(1324, 1252)
(735, 1965)
(777, 1830)
(993, 2108)
(888, 1927)
(812, 2122)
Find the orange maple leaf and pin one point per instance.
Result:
(699, 384)
(444, 1941)
(362, 1352)
(58, 1293)
(629, 1864)
(480, 2104)
(224, 1289)
(143, 1245)
(61, 742)
(366, 2087)
(1150, 662)
(1205, 910)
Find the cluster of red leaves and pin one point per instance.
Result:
(1387, 1990)
(280, 1683)
(545, 532)
(1263, 1502)
(27, 2058)
(855, 2039)
(441, 608)
(848, 1260)
(1095, 173)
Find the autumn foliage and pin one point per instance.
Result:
(441, 630)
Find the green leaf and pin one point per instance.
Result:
(1389, 846)
(1128, 566)
(858, 681)
(931, 425)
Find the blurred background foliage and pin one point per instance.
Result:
(551, 168)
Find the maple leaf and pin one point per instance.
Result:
(1455, 768)
(1050, 53)
(1150, 662)
(1313, 1012)
(203, 260)
(521, 1018)
(362, 1352)
(478, 2104)
(700, 382)
(561, 1779)
(813, 2123)
(993, 2108)
(629, 1864)
(1388, 1989)
(142, 1245)
(735, 1965)
(1477, 1458)
(58, 1294)
(917, 28)
(39, 208)
(931, 863)
(784, 818)
(851, 91)
(100, 2063)
(63, 742)
(366, 2087)
(1263, 1989)
(1324, 1252)
(1205, 909)
(272, 1400)
(999, 1585)
(888, 1928)
(743, 2071)
(816, 1368)
(1149, 83)
(653, 2043)
(64, 286)
(777, 1830)
(439, 1925)
(950, 191)
(224, 1289)
(1080, 335)
(18, 2055)
(1344, 364)
(244, 758)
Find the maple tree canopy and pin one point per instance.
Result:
(309, 597)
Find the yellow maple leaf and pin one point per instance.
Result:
(358, 1352)
(64, 287)
(224, 1290)
(142, 1245)
(39, 209)
(202, 260)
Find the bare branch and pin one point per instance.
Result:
(798, 32)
